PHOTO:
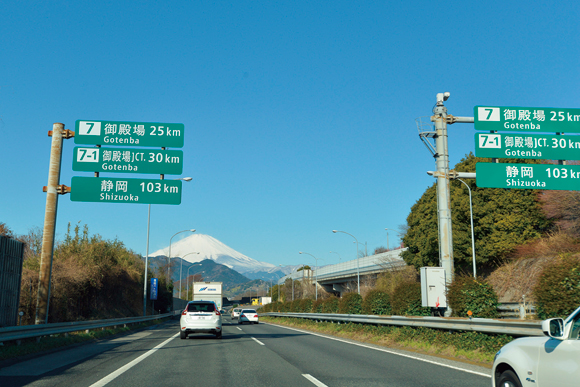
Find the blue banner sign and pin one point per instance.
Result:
(154, 288)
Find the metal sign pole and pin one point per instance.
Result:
(146, 264)
(443, 194)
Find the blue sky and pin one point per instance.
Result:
(299, 116)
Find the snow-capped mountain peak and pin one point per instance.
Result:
(210, 248)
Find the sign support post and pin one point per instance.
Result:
(443, 193)
(52, 190)
(443, 175)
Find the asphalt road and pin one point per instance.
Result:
(247, 355)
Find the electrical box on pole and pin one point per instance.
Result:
(433, 287)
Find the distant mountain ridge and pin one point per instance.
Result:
(211, 248)
(213, 272)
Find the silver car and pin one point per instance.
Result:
(235, 313)
(248, 315)
(201, 317)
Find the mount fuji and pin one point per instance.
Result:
(210, 248)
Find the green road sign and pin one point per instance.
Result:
(129, 133)
(116, 190)
(527, 146)
(528, 176)
(128, 160)
(519, 119)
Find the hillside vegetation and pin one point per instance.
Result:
(92, 278)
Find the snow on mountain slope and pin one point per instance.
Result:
(210, 248)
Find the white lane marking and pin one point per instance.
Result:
(315, 381)
(44, 364)
(257, 341)
(239, 329)
(127, 366)
(387, 351)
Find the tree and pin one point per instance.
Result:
(5, 230)
(563, 207)
(380, 249)
(503, 219)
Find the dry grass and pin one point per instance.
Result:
(551, 245)
(514, 280)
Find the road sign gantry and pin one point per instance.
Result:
(527, 146)
(125, 133)
(125, 190)
(519, 119)
(128, 160)
(528, 176)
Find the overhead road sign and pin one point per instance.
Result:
(118, 190)
(527, 146)
(128, 160)
(528, 176)
(125, 133)
(528, 119)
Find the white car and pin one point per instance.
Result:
(235, 313)
(553, 360)
(201, 317)
(249, 315)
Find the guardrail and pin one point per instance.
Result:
(513, 328)
(516, 310)
(30, 331)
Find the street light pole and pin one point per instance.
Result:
(186, 278)
(387, 229)
(472, 236)
(279, 286)
(169, 259)
(315, 271)
(180, 269)
(339, 257)
(357, 263)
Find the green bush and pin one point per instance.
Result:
(377, 302)
(557, 293)
(330, 305)
(350, 303)
(468, 294)
(317, 306)
(406, 300)
(306, 305)
(295, 306)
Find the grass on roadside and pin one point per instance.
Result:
(11, 349)
(472, 347)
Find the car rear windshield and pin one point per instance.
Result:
(201, 307)
(248, 311)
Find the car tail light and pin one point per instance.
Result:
(184, 313)
(217, 313)
(256, 316)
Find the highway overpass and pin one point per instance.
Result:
(339, 278)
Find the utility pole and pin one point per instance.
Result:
(443, 194)
(53, 189)
(443, 175)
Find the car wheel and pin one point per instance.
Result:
(508, 379)
(239, 322)
(218, 335)
(183, 335)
